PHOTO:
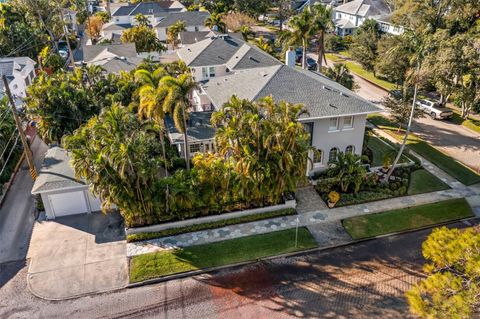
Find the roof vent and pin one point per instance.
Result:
(253, 59)
(264, 74)
(331, 105)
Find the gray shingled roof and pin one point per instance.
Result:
(191, 18)
(321, 96)
(145, 8)
(191, 37)
(116, 27)
(365, 8)
(199, 128)
(116, 65)
(228, 50)
(88, 53)
(56, 172)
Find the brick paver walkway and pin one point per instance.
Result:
(323, 223)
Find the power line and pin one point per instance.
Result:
(6, 146)
(9, 155)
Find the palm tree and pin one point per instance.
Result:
(416, 45)
(174, 30)
(264, 44)
(175, 96)
(340, 73)
(322, 22)
(246, 32)
(215, 21)
(142, 20)
(301, 26)
(150, 105)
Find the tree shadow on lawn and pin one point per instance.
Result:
(359, 281)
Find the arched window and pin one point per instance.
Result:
(317, 157)
(332, 156)
(350, 149)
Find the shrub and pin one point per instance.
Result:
(333, 197)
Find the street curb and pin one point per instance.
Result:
(287, 255)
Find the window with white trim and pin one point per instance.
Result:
(204, 72)
(332, 156)
(211, 70)
(350, 149)
(194, 148)
(333, 124)
(348, 122)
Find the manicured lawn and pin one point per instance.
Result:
(211, 225)
(345, 54)
(422, 181)
(440, 159)
(226, 252)
(333, 57)
(379, 149)
(405, 219)
(357, 68)
(470, 123)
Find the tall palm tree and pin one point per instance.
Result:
(150, 105)
(300, 34)
(174, 30)
(416, 46)
(142, 20)
(216, 21)
(322, 22)
(175, 94)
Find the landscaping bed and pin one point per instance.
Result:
(446, 163)
(164, 263)
(211, 225)
(411, 218)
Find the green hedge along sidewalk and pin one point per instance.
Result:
(164, 263)
(367, 226)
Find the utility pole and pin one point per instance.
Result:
(65, 33)
(26, 148)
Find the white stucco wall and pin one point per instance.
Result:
(323, 139)
(220, 70)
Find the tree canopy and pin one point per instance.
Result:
(144, 38)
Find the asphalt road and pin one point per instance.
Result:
(455, 140)
(366, 280)
(17, 212)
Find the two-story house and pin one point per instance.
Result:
(349, 16)
(20, 72)
(194, 22)
(225, 66)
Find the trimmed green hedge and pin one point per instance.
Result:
(211, 225)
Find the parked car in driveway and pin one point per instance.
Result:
(434, 109)
(311, 64)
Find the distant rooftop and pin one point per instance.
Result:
(199, 128)
(365, 8)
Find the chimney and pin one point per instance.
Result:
(290, 57)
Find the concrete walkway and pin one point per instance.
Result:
(321, 222)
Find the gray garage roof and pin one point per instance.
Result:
(321, 96)
(56, 172)
(88, 53)
(191, 18)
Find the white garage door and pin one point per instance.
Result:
(68, 203)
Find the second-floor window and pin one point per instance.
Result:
(211, 70)
(348, 122)
(333, 124)
(205, 72)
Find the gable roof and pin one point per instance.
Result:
(90, 53)
(321, 96)
(365, 8)
(225, 49)
(111, 26)
(146, 8)
(191, 37)
(56, 172)
(117, 64)
(191, 18)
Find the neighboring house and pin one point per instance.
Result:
(151, 10)
(225, 66)
(112, 30)
(62, 194)
(219, 55)
(20, 72)
(70, 19)
(112, 57)
(194, 21)
(189, 37)
(351, 15)
(385, 24)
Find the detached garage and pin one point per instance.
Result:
(62, 194)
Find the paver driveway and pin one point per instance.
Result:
(77, 255)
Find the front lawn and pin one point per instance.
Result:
(210, 225)
(422, 181)
(470, 123)
(380, 149)
(226, 252)
(367, 226)
(357, 69)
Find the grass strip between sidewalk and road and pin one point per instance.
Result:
(169, 262)
(211, 225)
(367, 226)
(443, 161)
(470, 123)
(422, 181)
